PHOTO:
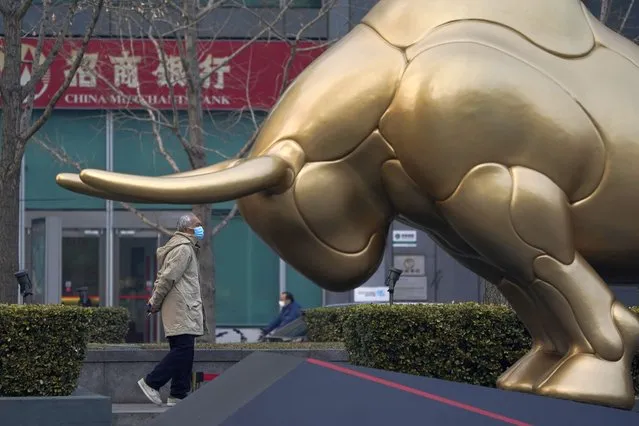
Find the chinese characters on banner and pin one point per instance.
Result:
(117, 74)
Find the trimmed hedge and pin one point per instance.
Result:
(462, 342)
(326, 324)
(109, 325)
(42, 348)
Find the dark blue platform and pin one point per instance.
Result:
(280, 390)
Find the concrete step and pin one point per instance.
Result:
(135, 414)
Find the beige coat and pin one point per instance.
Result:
(177, 288)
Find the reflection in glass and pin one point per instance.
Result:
(38, 250)
(137, 273)
(80, 268)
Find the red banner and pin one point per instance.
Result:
(134, 73)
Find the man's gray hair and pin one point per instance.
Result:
(184, 222)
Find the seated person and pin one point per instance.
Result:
(289, 312)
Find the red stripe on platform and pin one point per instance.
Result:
(417, 392)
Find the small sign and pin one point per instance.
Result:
(67, 286)
(371, 294)
(404, 238)
(411, 289)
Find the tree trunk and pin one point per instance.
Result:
(11, 152)
(207, 270)
(197, 155)
(9, 212)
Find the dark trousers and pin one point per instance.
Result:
(176, 366)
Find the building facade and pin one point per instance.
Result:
(72, 241)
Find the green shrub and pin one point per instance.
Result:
(42, 348)
(463, 342)
(325, 324)
(109, 325)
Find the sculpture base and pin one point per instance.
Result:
(267, 388)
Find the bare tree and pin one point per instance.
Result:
(21, 77)
(177, 21)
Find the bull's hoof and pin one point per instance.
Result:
(586, 378)
(526, 372)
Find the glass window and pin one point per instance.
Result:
(246, 277)
(80, 270)
(256, 3)
(81, 135)
(306, 4)
(38, 253)
(137, 272)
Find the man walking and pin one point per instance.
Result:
(176, 293)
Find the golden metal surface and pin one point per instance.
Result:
(506, 129)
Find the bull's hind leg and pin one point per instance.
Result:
(548, 344)
(520, 220)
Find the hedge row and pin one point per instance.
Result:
(42, 348)
(463, 342)
(108, 325)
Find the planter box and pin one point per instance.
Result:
(82, 408)
(115, 371)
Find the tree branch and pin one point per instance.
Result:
(160, 143)
(225, 221)
(625, 17)
(23, 8)
(67, 81)
(40, 69)
(604, 10)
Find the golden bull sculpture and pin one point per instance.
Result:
(506, 129)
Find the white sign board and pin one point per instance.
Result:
(404, 238)
(371, 294)
(411, 288)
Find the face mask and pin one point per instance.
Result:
(282, 304)
(199, 232)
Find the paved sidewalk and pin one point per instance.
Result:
(135, 414)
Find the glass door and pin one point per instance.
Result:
(38, 256)
(82, 270)
(136, 274)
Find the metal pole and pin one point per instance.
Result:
(282, 276)
(109, 213)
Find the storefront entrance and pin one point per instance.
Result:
(136, 272)
(82, 270)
